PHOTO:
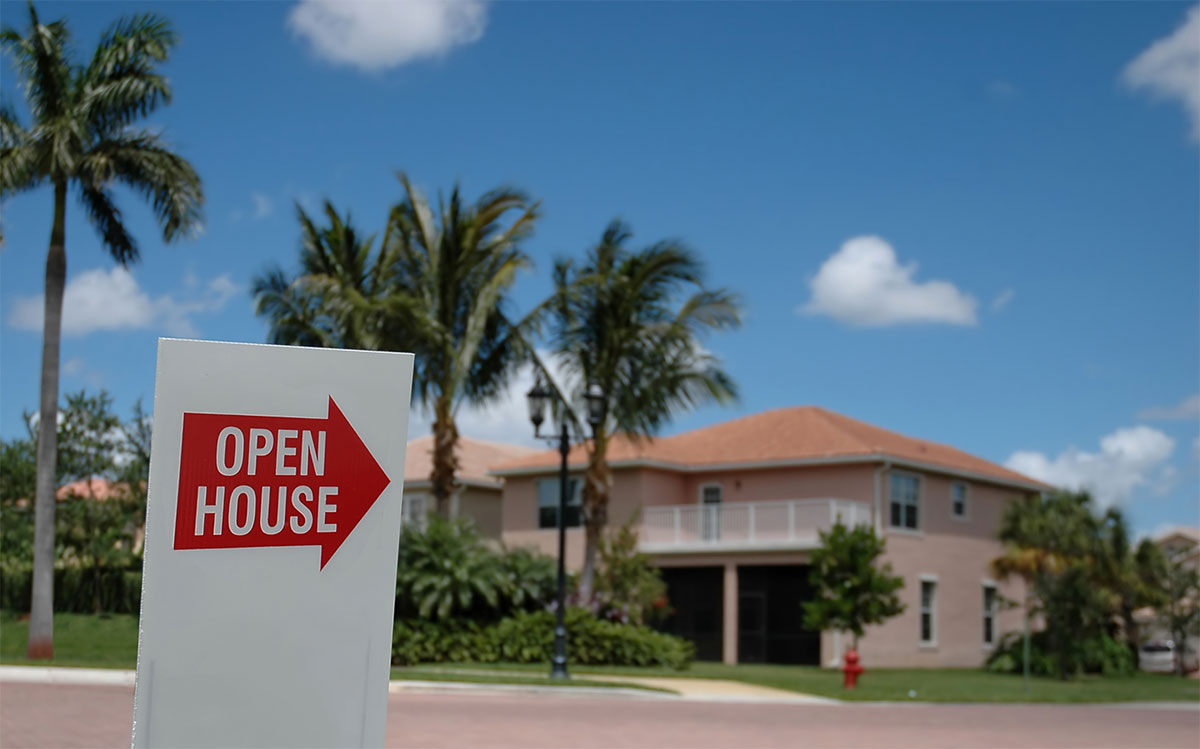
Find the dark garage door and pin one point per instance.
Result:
(695, 594)
(770, 619)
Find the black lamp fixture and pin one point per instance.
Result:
(597, 404)
(536, 399)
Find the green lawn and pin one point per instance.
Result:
(111, 642)
(79, 640)
(929, 685)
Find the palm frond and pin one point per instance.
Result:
(144, 163)
(106, 218)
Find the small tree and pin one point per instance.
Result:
(628, 585)
(851, 590)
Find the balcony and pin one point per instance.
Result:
(746, 526)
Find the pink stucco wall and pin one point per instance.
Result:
(849, 481)
(956, 554)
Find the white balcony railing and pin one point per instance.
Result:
(792, 524)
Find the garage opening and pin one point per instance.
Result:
(770, 619)
(695, 595)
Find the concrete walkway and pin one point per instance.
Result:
(720, 690)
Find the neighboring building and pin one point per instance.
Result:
(1179, 544)
(478, 494)
(730, 513)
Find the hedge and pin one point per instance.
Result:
(528, 637)
(76, 590)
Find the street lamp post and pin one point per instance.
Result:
(537, 398)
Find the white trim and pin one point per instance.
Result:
(920, 501)
(877, 521)
(983, 586)
(982, 478)
(966, 516)
(932, 642)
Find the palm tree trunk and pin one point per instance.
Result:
(41, 614)
(445, 458)
(1132, 636)
(597, 484)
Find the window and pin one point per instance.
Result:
(989, 614)
(904, 495)
(928, 610)
(958, 499)
(548, 503)
(414, 511)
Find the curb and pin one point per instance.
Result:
(100, 677)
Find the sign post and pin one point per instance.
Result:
(272, 529)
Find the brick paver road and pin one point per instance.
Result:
(45, 715)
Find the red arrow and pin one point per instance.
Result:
(254, 481)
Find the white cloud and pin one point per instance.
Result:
(262, 205)
(863, 284)
(1128, 458)
(380, 34)
(1170, 68)
(1002, 299)
(99, 300)
(1188, 408)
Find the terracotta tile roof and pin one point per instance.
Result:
(802, 433)
(474, 459)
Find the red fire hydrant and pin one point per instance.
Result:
(851, 669)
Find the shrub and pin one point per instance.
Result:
(447, 571)
(529, 580)
(1095, 655)
(76, 589)
(454, 641)
(528, 637)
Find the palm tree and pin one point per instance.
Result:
(437, 287)
(451, 278)
(1135, 575)
(83, 136)
(631, 322)
(332, 302)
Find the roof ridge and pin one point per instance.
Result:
(894, 433)
(835, 423)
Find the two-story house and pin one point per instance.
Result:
(731, 512)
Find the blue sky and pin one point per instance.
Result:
(973, 223)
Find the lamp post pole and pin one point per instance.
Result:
(558, 667)
(597, 403)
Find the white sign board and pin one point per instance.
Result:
(272, 530)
